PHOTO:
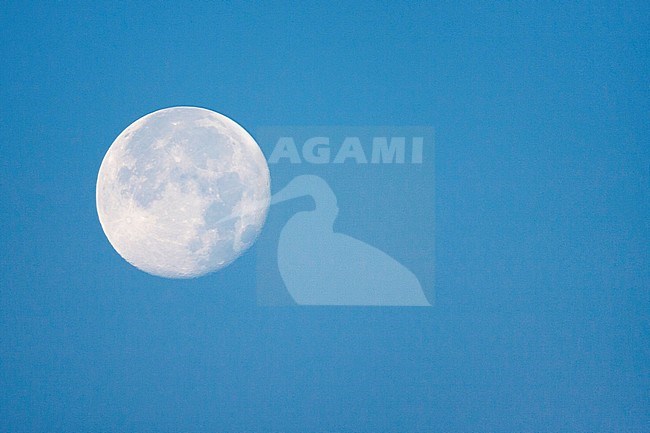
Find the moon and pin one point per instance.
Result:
(183, 192)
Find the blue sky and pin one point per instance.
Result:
(542, 268)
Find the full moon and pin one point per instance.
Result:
(183, 192)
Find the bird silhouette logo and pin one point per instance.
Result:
(321, 267)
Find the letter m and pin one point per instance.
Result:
(388, 153)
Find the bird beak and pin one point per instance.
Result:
(289, 192)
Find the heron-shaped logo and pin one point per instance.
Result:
(323, 267)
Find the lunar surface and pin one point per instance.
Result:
(183, 192)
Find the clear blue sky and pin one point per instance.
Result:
(541, 320)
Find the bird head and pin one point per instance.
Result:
(314, 186)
